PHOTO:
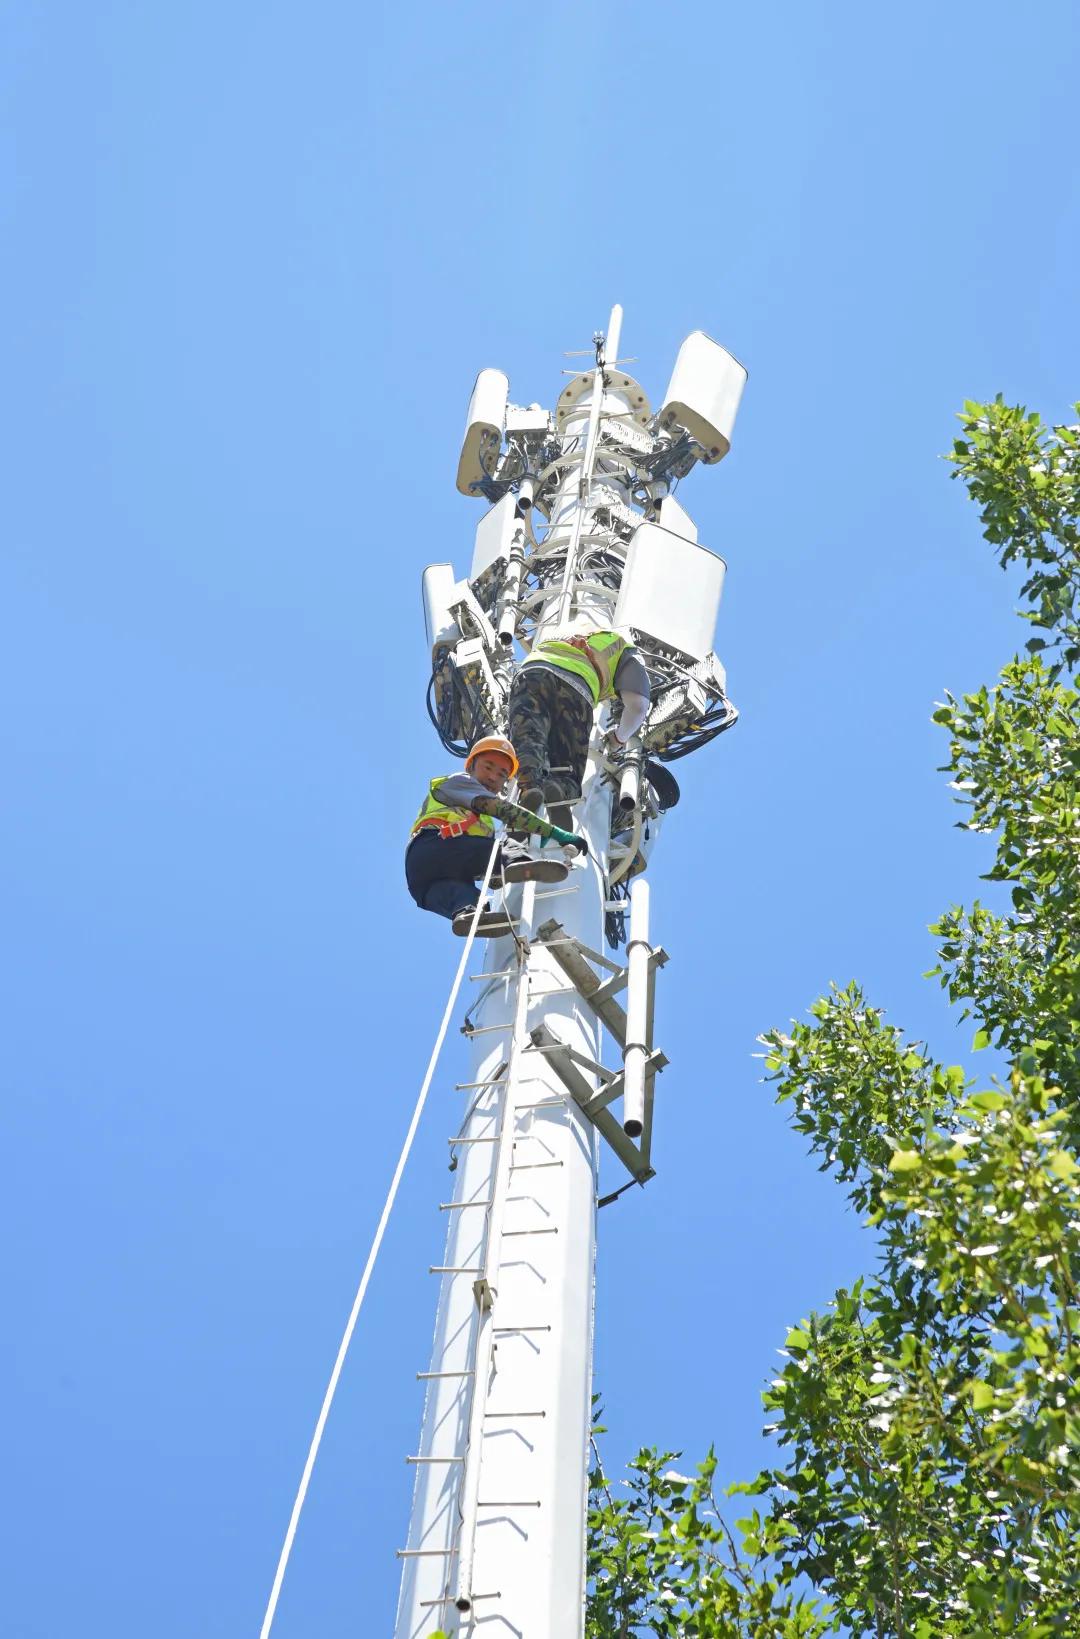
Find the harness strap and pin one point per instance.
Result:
(449, 828)
(596, 659)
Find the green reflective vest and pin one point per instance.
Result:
(450, 821)
(594, 657)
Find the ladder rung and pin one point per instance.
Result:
(521, 1328)
(485, 1029)
(483, 1138)
(555, 893)
(508, 1505)
(499, 973)
(470, 1086)
(452, 1598)
(434, 1459)
(515, 1414)
(531, 1166)
(508, 1233)
(542, 1104)
(420, 1376)
(451, 1269)
(424, 1553)
(458, 1206)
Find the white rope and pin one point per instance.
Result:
(343, 1349)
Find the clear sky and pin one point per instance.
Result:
(254, 256)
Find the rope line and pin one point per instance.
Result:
(350, 1325)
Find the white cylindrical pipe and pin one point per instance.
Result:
(522, 1565)
(506, 625)
(487, 1301)
(539, 1369)
(511, 590)
(595, 608)
(614, 332)
(637, 1010)
(630, 776)
(585, 478)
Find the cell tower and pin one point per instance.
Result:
(583, 534)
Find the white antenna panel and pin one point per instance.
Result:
(703, 394)
(671, 590)
(677, 519)
(437, 588)
(484, 426)
(494, 536)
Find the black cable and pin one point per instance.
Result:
(440, 721)
(700, 733)
(460, 703)
(615, 921)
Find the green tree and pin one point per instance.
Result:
(929, 1418)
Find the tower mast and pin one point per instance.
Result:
(496, 1538)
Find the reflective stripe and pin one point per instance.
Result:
(449, 821)
(573, 655)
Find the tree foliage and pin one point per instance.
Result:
(928, 1420)
(663, 1560)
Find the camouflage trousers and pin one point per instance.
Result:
(550, 724)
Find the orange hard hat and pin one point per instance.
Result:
(496, 743)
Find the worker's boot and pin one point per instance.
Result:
(525, 864)
(492, 924)
(555, 795)
(559, 795)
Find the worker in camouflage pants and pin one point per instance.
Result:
(550, 725)
(552, 703)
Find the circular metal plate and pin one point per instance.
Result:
(579, 388)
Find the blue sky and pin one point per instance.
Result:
(255, 255)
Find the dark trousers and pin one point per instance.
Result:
(442, 872)
(550, 724)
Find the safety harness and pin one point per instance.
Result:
(595, 659)
(449, 821)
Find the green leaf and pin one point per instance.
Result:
(982, 1395)
(927, 1421)
(905, 1161)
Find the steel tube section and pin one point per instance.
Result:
(630, 778)
(584, 485)
(589, 604)
(614, 335)
(511, 589)
(486, 1294)
(539, 1324)
(636, 1050)
(506, 624)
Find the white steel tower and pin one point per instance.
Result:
(582, 535)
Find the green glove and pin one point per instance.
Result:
(567, 839)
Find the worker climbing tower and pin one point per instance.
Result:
(582, 533)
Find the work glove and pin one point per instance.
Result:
(568, 839)
(612, 749)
